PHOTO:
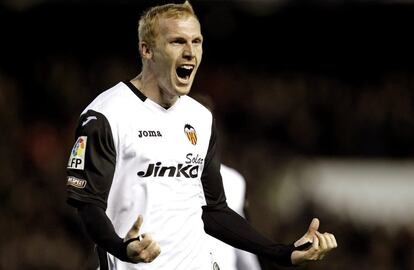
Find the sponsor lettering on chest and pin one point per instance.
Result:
(190, 168)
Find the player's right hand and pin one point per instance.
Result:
(142, 248)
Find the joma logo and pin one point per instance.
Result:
(149, 133)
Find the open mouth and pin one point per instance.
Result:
(184, 72)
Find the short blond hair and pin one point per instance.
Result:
(149, 20)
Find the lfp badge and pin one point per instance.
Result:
(77, 156)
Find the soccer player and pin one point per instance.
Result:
(144, 172)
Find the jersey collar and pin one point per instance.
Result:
(135, 90)
(142, 97)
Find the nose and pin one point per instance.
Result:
(188, 51)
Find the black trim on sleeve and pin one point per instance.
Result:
(92, 161)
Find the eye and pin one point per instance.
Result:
(178, 41)
(197, 41)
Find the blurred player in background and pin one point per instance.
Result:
(234, 183)
(228, 257)
(145, 149)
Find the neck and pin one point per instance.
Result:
(150, 88)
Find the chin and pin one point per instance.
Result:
(183, 90)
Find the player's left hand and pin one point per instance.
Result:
(141, 248)
(321, 244)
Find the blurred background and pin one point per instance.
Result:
(314, 101)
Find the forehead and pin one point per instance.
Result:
(187, 26)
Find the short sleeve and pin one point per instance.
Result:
(92, 160)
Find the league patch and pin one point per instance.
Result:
(77, 156)
(76, 182)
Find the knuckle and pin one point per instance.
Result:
(154, 254)
(134, 253)
(314, 258)
(156, 251)
(138, 249)
(143, 255)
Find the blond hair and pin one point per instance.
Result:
(149, 21)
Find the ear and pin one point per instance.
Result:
(145, 49)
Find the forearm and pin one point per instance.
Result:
(100, 229)
(225, 224)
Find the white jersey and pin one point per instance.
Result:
(228, 257)
(133, 157)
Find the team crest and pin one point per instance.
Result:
(77, 156)
(191, 134)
